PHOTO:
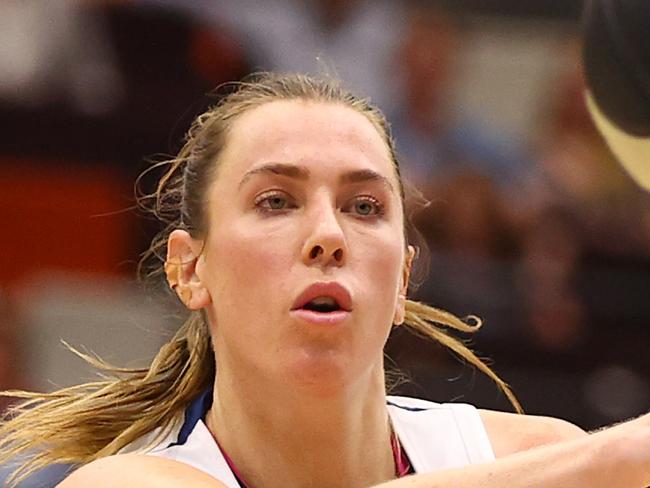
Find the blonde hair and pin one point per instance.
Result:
(80, 424)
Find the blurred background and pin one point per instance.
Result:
(532, 225)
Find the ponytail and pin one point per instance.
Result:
(82, 423)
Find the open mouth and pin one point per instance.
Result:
(322, 305)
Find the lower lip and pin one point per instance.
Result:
(322, 318)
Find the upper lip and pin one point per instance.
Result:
(330, 289)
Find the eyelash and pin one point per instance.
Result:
(266, 197)
(379, 208)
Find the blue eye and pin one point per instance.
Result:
(367, 206)
(276, 203)
(272, 201)
(363, 208)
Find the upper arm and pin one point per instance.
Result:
(138, 471)
(510, 433)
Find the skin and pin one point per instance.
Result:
(334, 213)
(617, 457)
(287, 389)
(614, 458)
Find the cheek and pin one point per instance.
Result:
(247, 267)
(389, 261)
(381, 257)
(378, 274)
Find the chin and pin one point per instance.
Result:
(327, 373)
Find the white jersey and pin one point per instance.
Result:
(434, 436)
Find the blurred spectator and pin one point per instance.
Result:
(472, 251)
(106, 81)
(57, 51)
(547, 279)
(354, 40)
(431, 141)
(466, 218)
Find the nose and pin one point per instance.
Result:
(326, 244)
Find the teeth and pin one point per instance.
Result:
(324, 301)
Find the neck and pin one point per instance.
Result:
(339, 440)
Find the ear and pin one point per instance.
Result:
(183, 254)
(400, 306)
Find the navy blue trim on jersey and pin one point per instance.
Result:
(200, 405)
(410, 409)
(198, 408)
(194, 412)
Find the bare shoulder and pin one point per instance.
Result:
(510, 432)
(138, 471)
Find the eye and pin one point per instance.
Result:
(367, 206)
(276, 202)
(273, 201)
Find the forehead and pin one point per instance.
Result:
(315, 134)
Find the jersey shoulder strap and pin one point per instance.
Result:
(202, 452)
(439, 435)
(189, 441)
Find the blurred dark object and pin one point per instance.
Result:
(617, 61)
(576, 170)
(617, 68)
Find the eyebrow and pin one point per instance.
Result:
(290, 170)
(363, 175)
(300, 173)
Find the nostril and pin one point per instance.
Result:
(338, 254)
(315, 252)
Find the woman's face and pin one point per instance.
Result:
(304, 258)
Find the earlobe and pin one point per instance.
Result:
(400, 310)
(183, 255)
(406, 270)
(411, 253)
(400, 307)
